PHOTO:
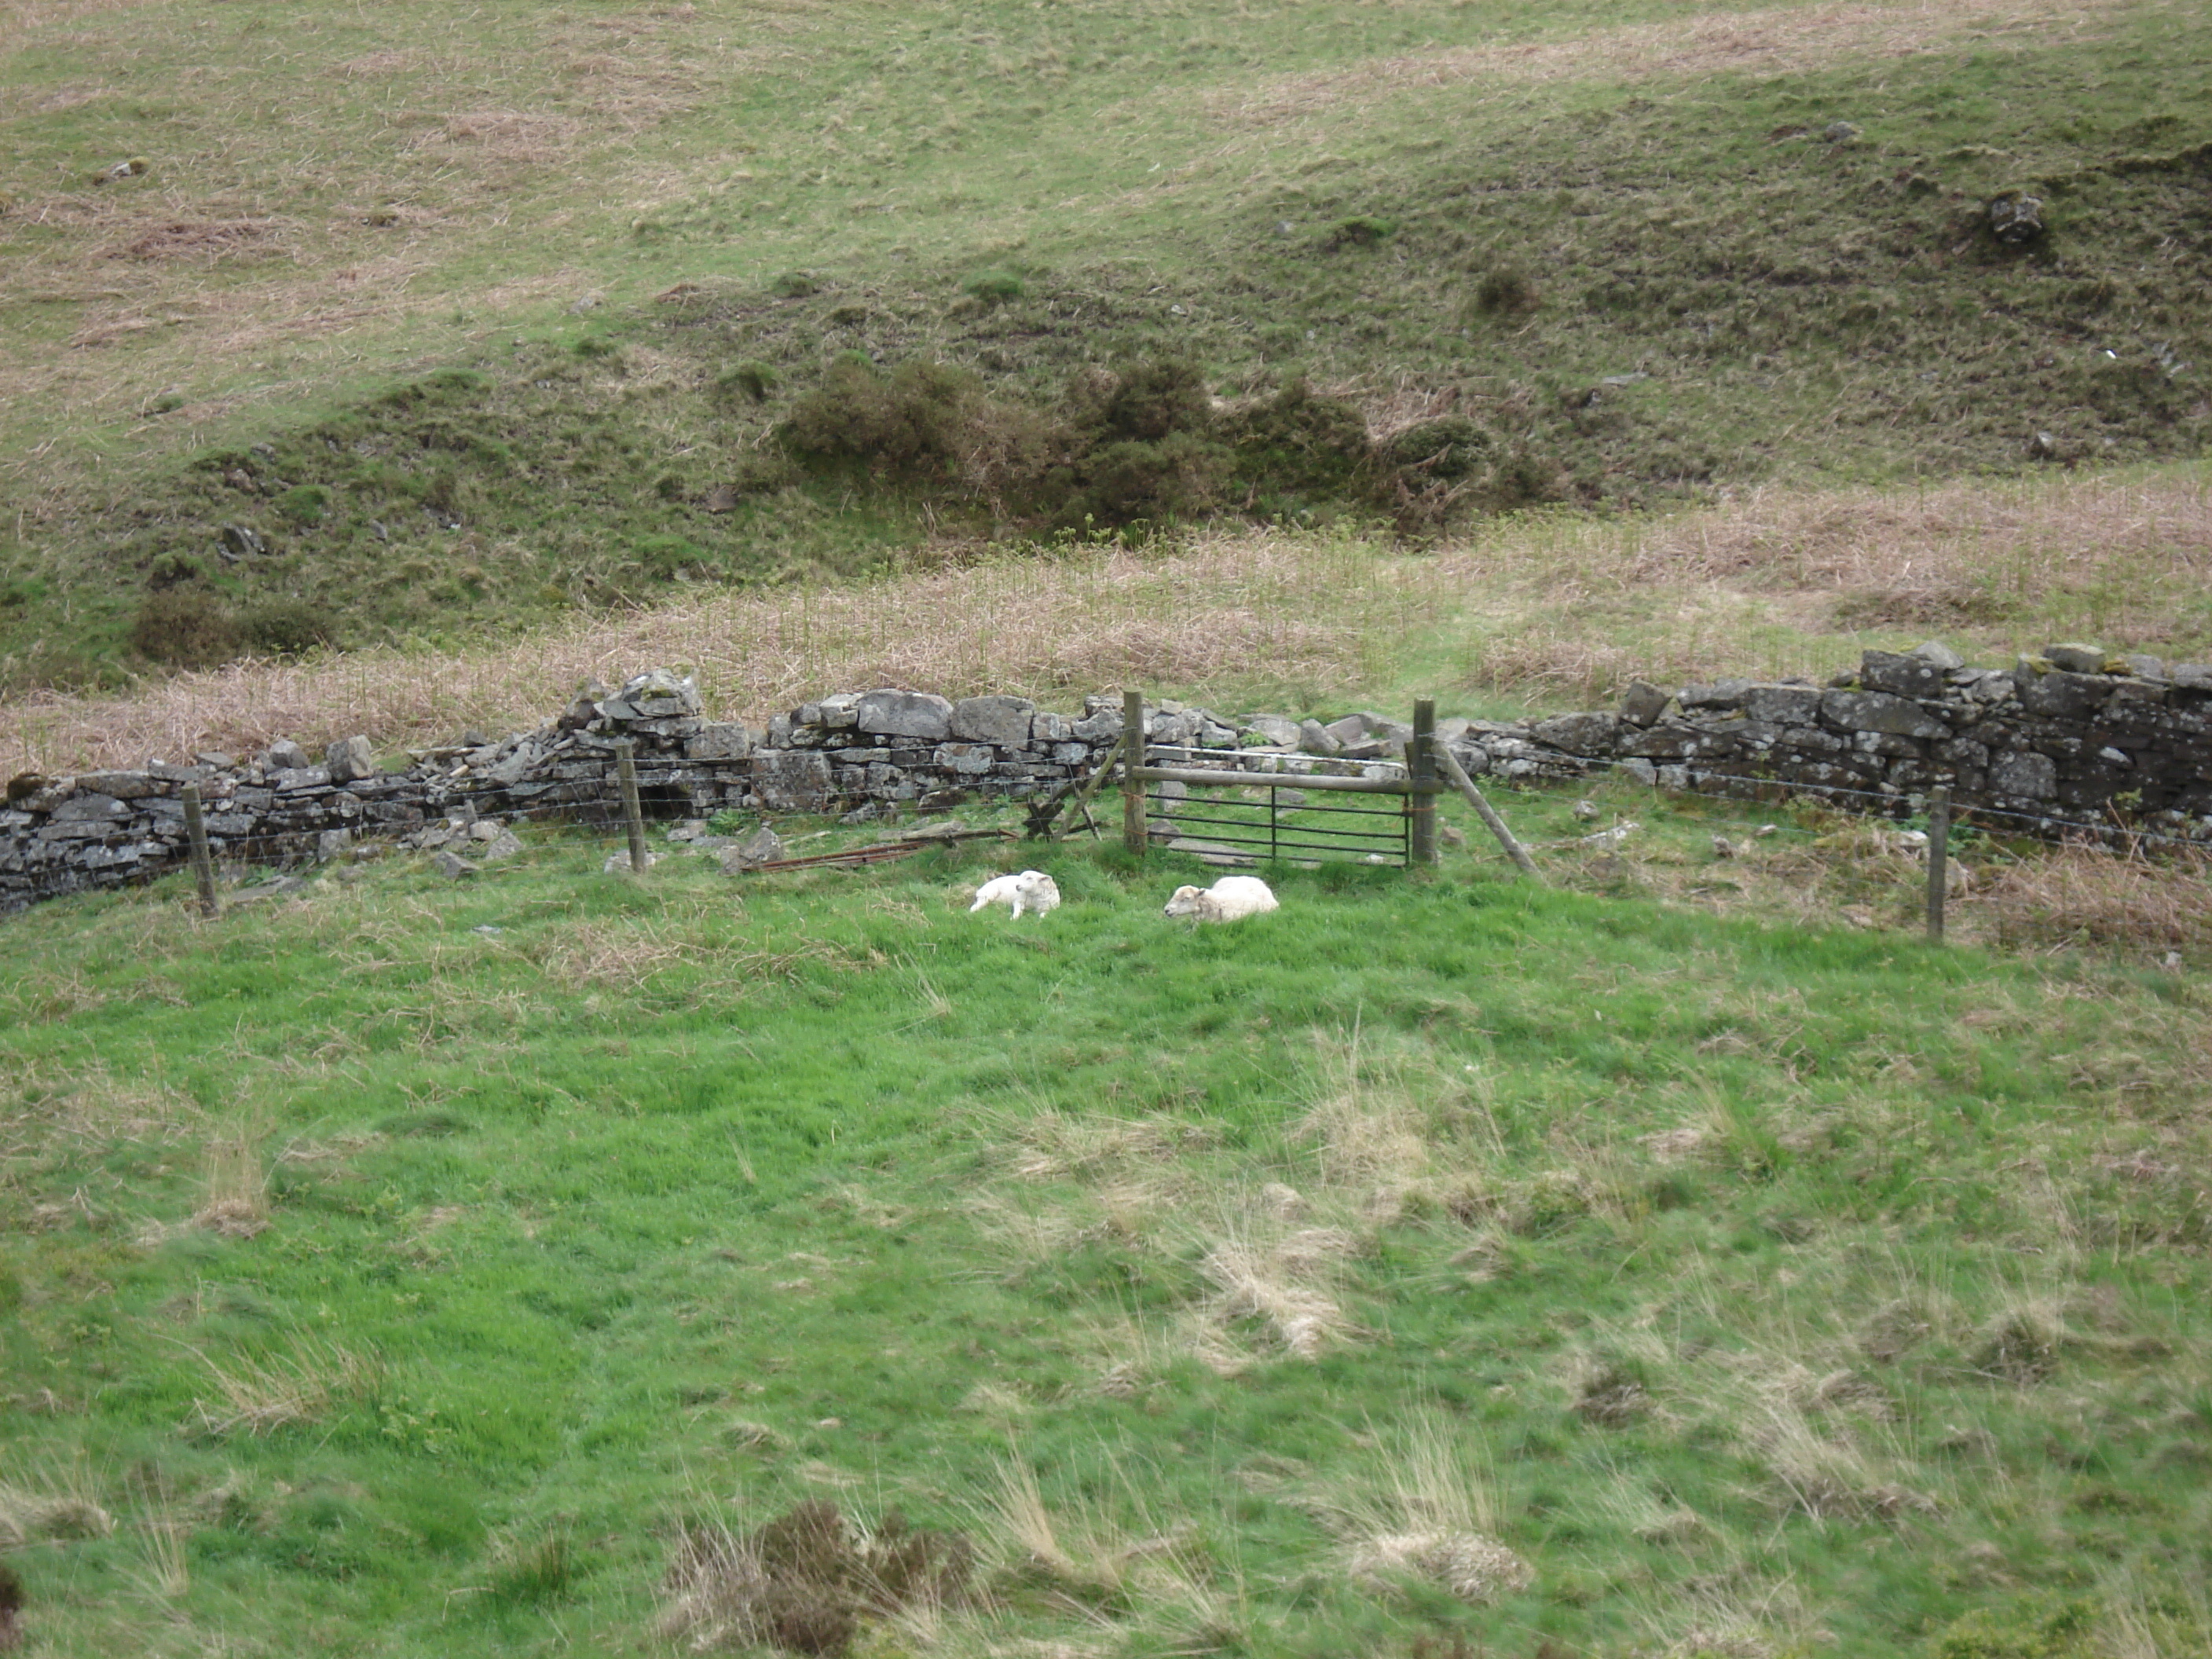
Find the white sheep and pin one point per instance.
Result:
(1032, 890)
(1230, 899)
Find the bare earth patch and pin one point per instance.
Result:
(202, 240)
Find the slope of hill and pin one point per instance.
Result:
(465, 324)
(403, 1268)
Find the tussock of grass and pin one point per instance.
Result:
(1427, 1513)
(236, 1203)
(2080, 894)
(259, 1396)
(53, 1501)
(807, 1580)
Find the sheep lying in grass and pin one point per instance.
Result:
(1032, 890)
(1230, 899)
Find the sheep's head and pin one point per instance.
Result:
(1186, 901)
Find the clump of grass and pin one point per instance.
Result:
(56, 1505)
(2087, 894)
(808, 1581)
(1281, 1285)
(236, 1200)
(751, 380)
(260, 1396)
(164, 1568)
(1504, 290)
(993, 287)
(1424, 1507)
(186, 626)
(535, 1568)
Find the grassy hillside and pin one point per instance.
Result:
(1432, 1266)
(1549, 612)
(514, 302)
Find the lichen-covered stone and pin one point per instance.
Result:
(1878, 711)
(1001, 720)
(904, 714)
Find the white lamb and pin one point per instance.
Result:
(1032, 890)
(1230, 899)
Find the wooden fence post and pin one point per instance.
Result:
(1483, 809)
(1939, 853)
(203, 864)
(1421, 769)
(633, 813)
(1132, 757)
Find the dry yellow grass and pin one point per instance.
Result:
(237, 1201)
(261, 1396)
(1778, 40)
(1559, 610)
(2083, 895)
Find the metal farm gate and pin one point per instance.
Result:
(1247, 816)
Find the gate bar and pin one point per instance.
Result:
(1286, 781)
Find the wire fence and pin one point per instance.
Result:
(2115, 830)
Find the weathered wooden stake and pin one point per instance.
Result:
(633, 813)
(1133, 761)
(203, 864)
(1939, 853)
(1483, 809)
(1081, 808)
(1421, 768)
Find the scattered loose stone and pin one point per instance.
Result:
(2016, 217)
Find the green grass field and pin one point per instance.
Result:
(1680, 1261)
(411, 1268)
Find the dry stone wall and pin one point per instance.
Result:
(2065, 738)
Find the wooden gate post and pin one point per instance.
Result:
(1421, 769)
(1134, 757)
(1939, 848)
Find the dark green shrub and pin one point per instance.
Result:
(304, 505)
(992, 287)
(916, 418)
(750, 380)
(1504, 290)
(1300, 443)
(1363, 231)
(664, 555)
(1144, 401)
(1524, 479)
(186, 627)
(286, 628)
(1448, 448)
(1121, 484)
(2033, 1630)
(174, 570)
